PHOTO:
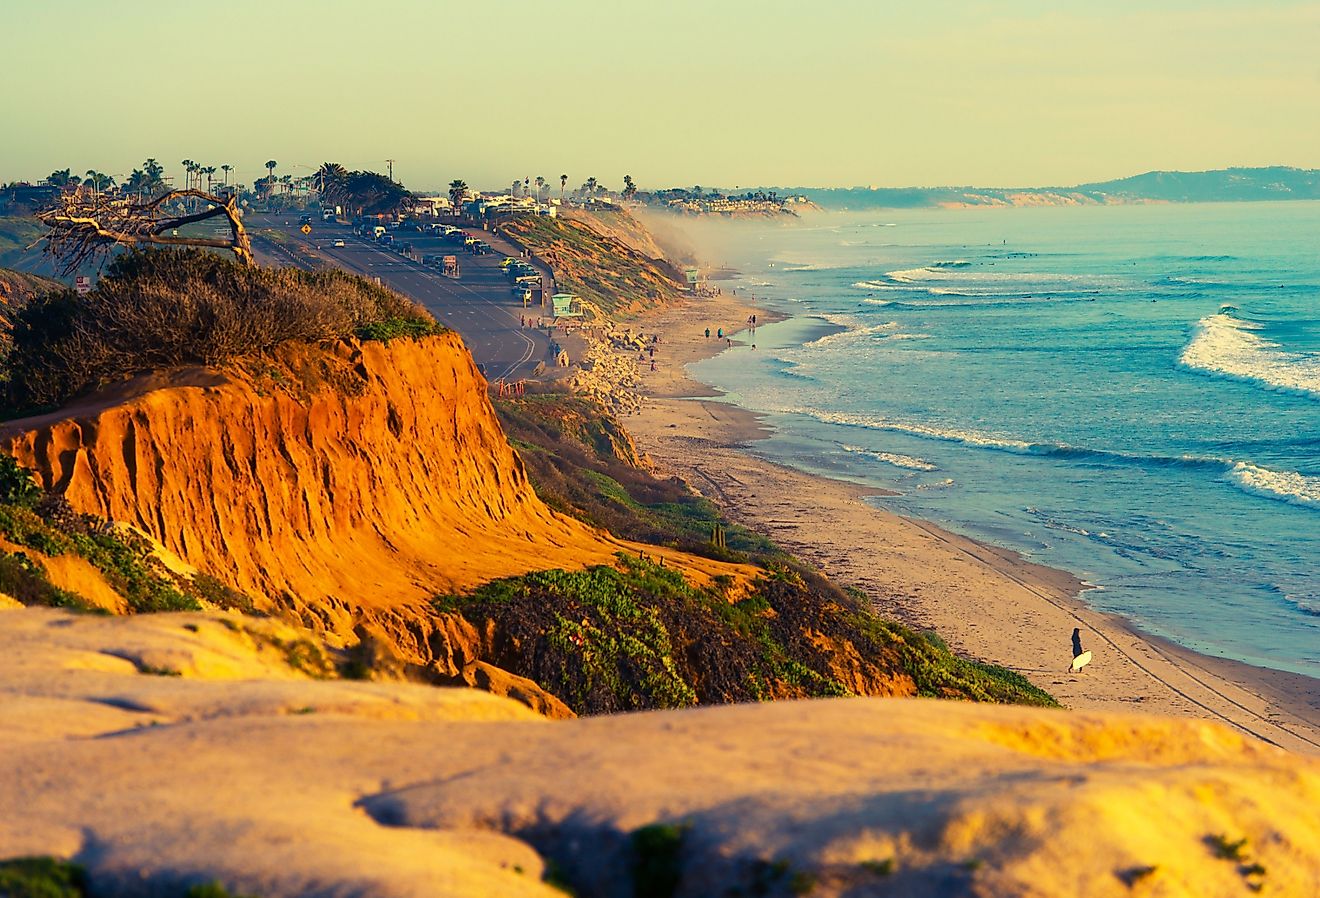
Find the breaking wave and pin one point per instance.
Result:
(892, 458)
(1287, 486)
(1229, 346)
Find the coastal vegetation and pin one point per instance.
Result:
(609, 275)
(37, 526)
(161, 309)
(49, 877)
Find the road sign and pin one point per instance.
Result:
(82, 283)
(306, 229)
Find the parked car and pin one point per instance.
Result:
(339, 241)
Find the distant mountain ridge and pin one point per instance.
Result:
(1222, 185)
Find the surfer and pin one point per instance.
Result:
(1080, 658)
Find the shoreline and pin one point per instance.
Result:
(987, 602)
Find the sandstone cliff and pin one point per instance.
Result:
(331, 486)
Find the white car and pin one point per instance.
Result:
(339, 242)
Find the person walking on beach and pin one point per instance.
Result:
(707, 333)
(719, 334)
(1080, 658)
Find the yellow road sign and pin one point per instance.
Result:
(306, 229)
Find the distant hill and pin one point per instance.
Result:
(1222, 185)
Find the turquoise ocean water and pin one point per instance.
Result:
(1128, 393)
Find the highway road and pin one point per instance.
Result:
(478, 305)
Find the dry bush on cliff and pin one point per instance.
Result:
(165, 308)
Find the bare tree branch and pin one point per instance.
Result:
(86, 224)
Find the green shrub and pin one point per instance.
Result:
(393, 328)
(17, 485)
(204, 586)
(41, 877)
(640, 636)
(657, 859)
(938, 673)
(50, 527)
(25, 581)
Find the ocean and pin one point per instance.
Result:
(1130, 393)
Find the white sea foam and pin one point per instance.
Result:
(876, 286)
(1288, 486)
(875, 422)
(909, 336)
(1228, 346)
(853, 329)
(892, 458)
(912, 275)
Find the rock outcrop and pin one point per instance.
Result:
(243, 770)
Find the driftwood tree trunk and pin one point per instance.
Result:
(83, 226)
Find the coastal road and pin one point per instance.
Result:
(478, 305)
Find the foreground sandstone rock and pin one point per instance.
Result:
(245, 770)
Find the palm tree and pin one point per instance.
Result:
(188, 167)
(563, 182)
(591, 188)
(270, 169)
(226, 168)
(97, 181)
(330, 176)
(457, 190)
(540, 188)
(629, 188)
(209, 171)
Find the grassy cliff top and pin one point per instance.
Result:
(160, 309)
(608, 274)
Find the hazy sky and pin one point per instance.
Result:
(673, 92)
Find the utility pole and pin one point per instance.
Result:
(390, 163)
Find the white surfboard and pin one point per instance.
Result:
(1081, 661)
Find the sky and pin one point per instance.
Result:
(729, 93)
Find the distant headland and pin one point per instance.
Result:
(1222, 185)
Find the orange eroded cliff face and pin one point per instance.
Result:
(328, 483)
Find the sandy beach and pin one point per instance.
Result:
(986, 602)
